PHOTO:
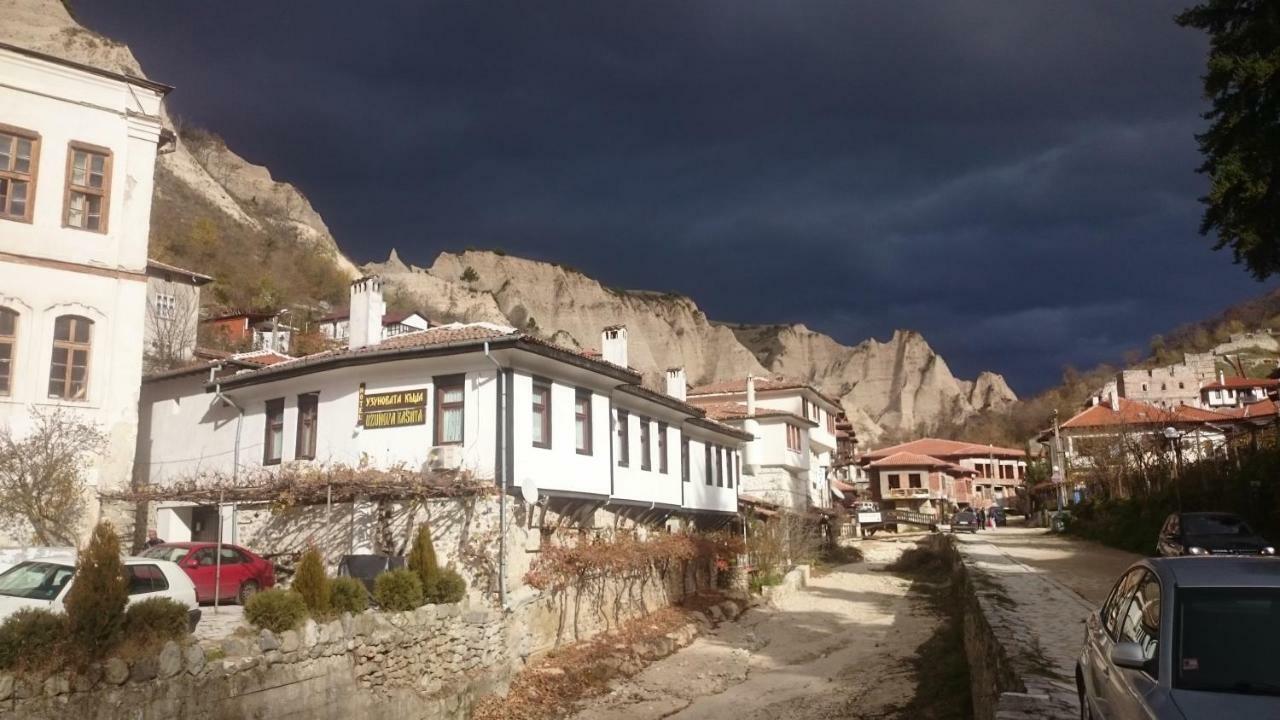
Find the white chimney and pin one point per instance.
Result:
(613, 345)
(367, 309)
(1222, 377)
(751, 395)
(676, 383)
(1115, 402)
(751, 453)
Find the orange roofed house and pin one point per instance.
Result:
(1089, 435)
(932, 475)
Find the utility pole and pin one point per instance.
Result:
(1058, 471)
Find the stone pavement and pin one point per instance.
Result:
(1037, 590)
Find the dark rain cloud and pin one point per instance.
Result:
(1014, 179)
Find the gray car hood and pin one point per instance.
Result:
(1196, 705)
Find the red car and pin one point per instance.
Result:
(243, 573)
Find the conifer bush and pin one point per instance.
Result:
(398, 590)
(347, 594)
(95, 604)
(155, 620)
(276, 610)
(311, 583)
(30, 633)
(422, 558)
(447, 587)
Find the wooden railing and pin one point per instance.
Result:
(910, 517)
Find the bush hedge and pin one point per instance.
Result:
(311, 582)
(422, 559)
(97, 598)
(275, 610)
(30, 633)
(347, 594)
(156, 620)
(398, 590)
(447, 587)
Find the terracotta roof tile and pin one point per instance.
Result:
(939, 448)
(1262, 408)
(1133, 412)
(763, 384)
(1241, 383)
(731, 411)
(909, 459)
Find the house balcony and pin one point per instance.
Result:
(911, 494)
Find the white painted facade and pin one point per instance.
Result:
(49, 269)
(187, 433)
(339, 328)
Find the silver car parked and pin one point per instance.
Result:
(1187, 638)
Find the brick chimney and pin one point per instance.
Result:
(677, 383)
(367, 308)
(613, 345)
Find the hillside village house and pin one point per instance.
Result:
(336, 326)
(78, 148)
(478, 399)
(1237, 392)
(794, 426)
(250, 330)
(932, 475)
(173, 313)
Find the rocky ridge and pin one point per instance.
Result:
(900, 384)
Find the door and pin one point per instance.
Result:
(1139, 623)
(234, 572)
(145, 581)
(199, 566)
(1100, 636)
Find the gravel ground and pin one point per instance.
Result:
(216, 626)
(1087, 568)
(839, 649)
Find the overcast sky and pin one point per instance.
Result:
(1013, 179)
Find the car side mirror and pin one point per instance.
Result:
(1128, 655)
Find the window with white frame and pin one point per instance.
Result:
(166, 306)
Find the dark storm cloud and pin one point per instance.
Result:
(1012, 179)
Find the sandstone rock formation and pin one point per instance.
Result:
(900, 384)
(243, 191)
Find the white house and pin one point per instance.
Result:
(794, 425)
(77, 159)
(1235, 392)
(481, 398)
(337, 325)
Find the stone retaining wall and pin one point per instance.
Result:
(1004, 685)
(433, 662)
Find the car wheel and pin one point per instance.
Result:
(247, 591)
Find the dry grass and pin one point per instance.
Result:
(552, 686)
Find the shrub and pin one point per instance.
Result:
(30, 633)
(95, 604)
(762, 580)
(155, 620)
(447, 587)
(422, 558)
(275, 610)
(398, 590)
(347, 594)
(311, 583)
(470, 274)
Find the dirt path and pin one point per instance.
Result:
(840, 649)
(1087, 568)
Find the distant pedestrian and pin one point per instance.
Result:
(153, 539)
(982, 518)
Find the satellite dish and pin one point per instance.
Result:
(529, 490)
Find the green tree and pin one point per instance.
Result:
(95, 603)
(422, 558)
(1241, 148)
(311, 582)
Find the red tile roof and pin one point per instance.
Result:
(1262, 408)
(1133, 412)
(939, 448)
(263, 357)
(730, 411)
(763, 384)
(1241, 383)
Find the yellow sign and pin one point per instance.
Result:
(393, 409)
(395, 418)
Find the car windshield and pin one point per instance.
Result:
(1214, 525)
(35, 580)
(1228, 640)
(160, 552)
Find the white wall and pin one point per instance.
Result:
(63, 271)
(632, 482)
(561, 467)
(701, 494)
